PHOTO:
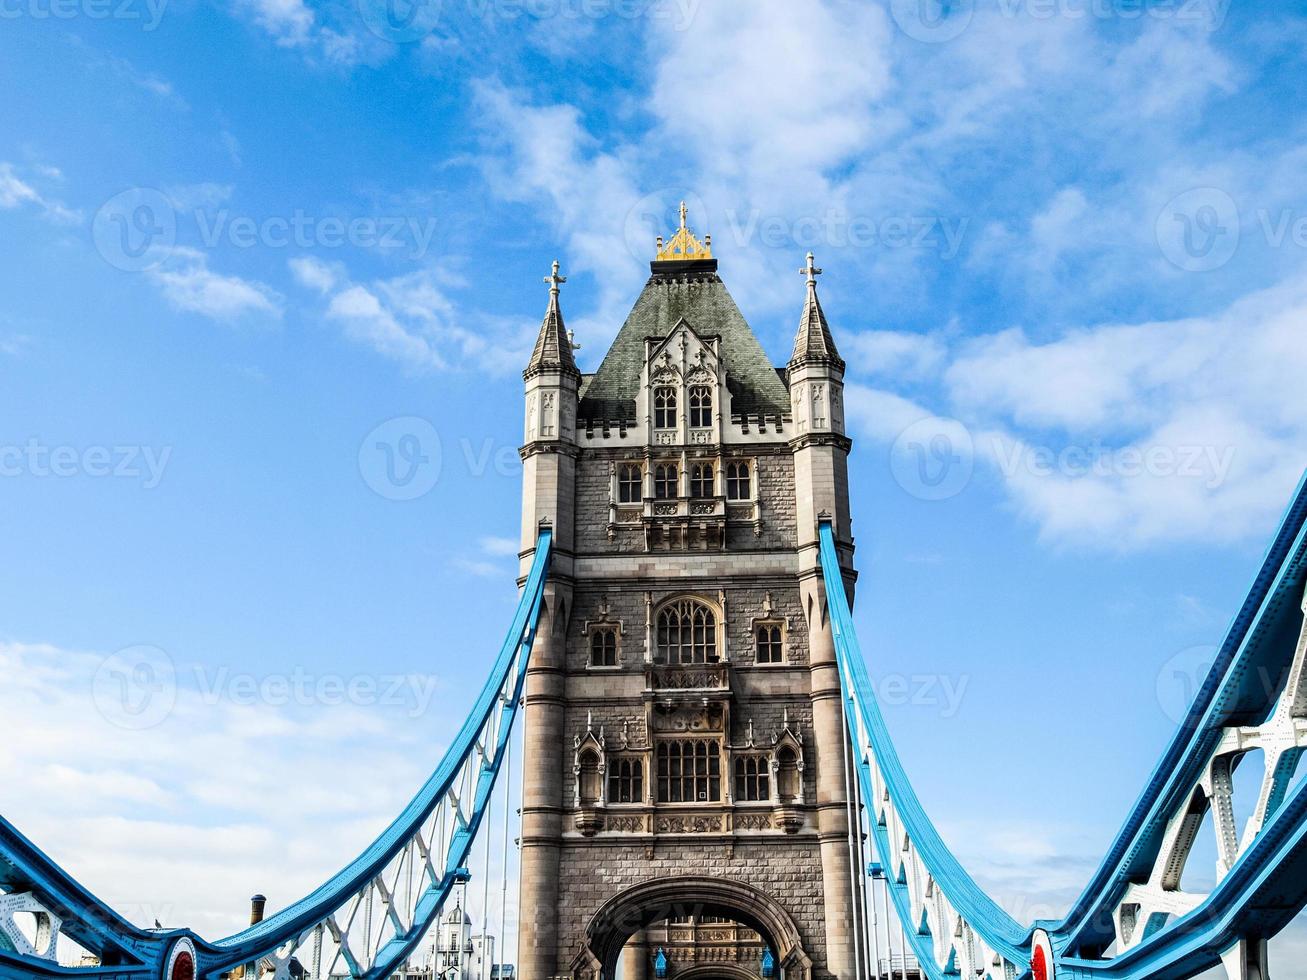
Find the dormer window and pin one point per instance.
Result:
(700, 407)
(701, 480)
(738, 482)
(665, 480)
(664, 408)
(629, 483)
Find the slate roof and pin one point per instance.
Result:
(814, 342)
(553, 347)
(694, 291)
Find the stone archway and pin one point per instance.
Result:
(642, 905)
(716, 971)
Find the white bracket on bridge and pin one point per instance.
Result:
(1246, 960)
(47, 926)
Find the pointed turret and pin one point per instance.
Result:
(553, 347)
(813, 342)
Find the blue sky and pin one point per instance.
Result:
(1065, 254)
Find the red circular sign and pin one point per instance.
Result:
(1038, 965)
(183, 967)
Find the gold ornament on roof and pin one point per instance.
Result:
(683, 245)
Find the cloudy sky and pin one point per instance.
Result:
(248, 242)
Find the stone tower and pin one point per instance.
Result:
(684, 742)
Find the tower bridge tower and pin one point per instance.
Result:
(684, 742)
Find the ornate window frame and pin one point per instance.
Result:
(714, 642)
(605, 623)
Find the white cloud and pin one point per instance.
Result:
(217, 792)
(315, 274)
(893, 354)
(368, 321)
(411, 319)
(16, 192)
(1121, 436)
(188, 284)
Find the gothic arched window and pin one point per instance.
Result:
(664, 408)
(737, 482)
(700, 407)
(629, 483)
(687, 633)
(665, 480)
(701, 482)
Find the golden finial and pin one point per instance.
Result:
(683, 245)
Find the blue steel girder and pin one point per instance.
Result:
(1133, 920)
(368, 918)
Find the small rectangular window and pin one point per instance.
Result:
(665, 481)
(603, 648)
(625, 781)
(769, 645)
(701, 480)
(630, 484)
(664, 408)
(752, 779)
(700, 407)
(738, 484)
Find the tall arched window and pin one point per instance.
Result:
(664, 408)
(687, 633)
(700, 407)
(629, 483)
(737, 482)
(665, 480)
(701, 483)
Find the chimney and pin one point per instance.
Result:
(257, 904)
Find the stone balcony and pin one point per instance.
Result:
(684, 523)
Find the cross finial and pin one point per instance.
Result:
(683, 213)
(811, 271)
(554, 279)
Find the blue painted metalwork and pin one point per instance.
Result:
(1113, 931)
(432, 837)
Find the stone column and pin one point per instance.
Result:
(542, 791)
(840, 912)
(635, 957)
